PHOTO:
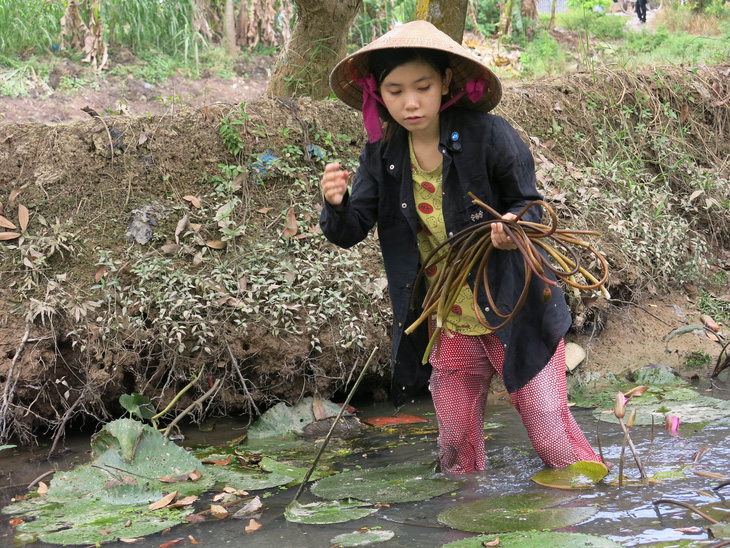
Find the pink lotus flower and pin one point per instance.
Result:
(671, 422)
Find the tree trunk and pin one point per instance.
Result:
(230, 29)
(446, 15)
(529, 9)
(317, 42)
(551, 24)
(505, 19)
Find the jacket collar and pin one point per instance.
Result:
(396, 150)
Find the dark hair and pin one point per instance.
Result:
(383, 62)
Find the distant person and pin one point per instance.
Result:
(412, 181)
(640, 9)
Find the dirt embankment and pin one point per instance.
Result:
(158, 248)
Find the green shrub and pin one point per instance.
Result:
(542, 55)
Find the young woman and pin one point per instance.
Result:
(414, 181)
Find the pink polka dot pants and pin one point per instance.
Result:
(463, 366)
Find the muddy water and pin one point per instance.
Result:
(626, 514)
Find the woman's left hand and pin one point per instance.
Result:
(500, 240)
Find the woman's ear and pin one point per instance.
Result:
(446, 82)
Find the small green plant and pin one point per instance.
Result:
(229, 130)
(697, 359)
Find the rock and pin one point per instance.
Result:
(656, 375)
(574, 355)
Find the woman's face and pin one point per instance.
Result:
(412, 94)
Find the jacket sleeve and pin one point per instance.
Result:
(514, 171)
(350, 223)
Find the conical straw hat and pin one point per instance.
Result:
(416, 34)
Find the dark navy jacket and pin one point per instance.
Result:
(482, 154)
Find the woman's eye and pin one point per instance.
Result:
(424, 89)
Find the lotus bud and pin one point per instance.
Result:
(619, 406)
(672, 424)
(636, 392)
(631, 419)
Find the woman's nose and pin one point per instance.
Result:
(411, 100)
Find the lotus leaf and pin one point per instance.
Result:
(288, 469)
(536, 539)
(406, 482)
(720, 530)
(362, 538)
(581, 475)
(246, 481)
(330, 511)
(137, 405)
(700, 409)
(131, 453)
(514, 513)
(282, 420)
(87, 521)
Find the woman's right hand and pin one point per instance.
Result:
(334, 183)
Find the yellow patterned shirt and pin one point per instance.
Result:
(432, 232)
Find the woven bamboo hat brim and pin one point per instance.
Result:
(416, 34)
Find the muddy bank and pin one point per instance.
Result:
(161, 248)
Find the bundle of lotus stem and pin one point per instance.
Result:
(461, 253)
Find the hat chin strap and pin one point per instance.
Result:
(474, 89)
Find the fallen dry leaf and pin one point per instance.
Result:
(318, 408)
(684, 114)
(215, 244)
(252, 526)
(13, 194)
(6, 223)
(4, 236)
(164, 501)
(185, 501)
(223, 462)
(170, 249)
(182, 224)
(290, 227)
(195, 518)
(130, 540)
(218, 511)
(251, 508)
(235, 491)
(15, 522)
(264, 210)
(100, 273)
(42, 488)
(191, 537)
(142, 139)
(172, 542)
(174, 479)
(494, 542)
(193, 200)
(23, 217)
(195, 475)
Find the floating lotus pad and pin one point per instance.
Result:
(525, 512)
(700, 409)
(536, 539)
(130, 452)
(93, 503)
(283, 420)
(329, 511)
(246, 481)
(93, 522)
(405, 482)
(288, 469)
(362, 538)
(581, 475)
